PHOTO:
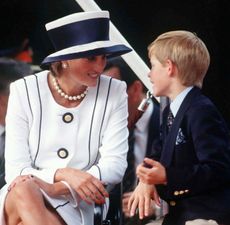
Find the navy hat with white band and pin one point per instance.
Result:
(82, 35)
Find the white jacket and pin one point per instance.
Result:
(38, 141)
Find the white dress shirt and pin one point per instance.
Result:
(176, 103)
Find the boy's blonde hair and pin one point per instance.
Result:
(186, 51)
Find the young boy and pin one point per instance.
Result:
(192, 168)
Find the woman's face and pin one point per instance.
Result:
(86, 71)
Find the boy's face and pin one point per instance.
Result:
(159, 77)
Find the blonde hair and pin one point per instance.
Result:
(187, 51)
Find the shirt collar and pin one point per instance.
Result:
(143, 122)
(176, 103)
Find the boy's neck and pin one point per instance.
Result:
(176, 90)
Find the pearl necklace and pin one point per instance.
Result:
(64, 95)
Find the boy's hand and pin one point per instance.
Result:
(141, 199)
(151, 172)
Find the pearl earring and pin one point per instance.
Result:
(64, 65)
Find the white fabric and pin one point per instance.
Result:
(26, 124)
(176, 103)
(73, 197)
(76, 17)
(201, 222)
(84, 47)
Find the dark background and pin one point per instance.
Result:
(140, 22)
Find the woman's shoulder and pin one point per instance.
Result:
(104, 79)
(32, 78)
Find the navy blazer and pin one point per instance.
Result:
(196, 155)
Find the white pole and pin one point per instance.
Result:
(132, 58)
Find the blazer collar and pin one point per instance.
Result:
(170, 139)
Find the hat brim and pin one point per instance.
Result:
(110, 51)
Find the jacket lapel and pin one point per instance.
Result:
(170, 140)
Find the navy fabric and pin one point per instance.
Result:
(110, 51)
(78, 33)
(196, 155)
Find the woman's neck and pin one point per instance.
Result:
(65, 92)
(70, 86)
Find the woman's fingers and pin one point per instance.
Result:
(93, 191)
(86, 185)
(19, 179)
(100, 187)
(84, 196)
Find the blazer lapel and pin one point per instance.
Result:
(169, 143)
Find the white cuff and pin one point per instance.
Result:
(73, 197)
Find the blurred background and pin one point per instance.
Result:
(23, 31)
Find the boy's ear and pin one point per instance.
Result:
(171, 67)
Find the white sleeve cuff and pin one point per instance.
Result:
(73, 197)
(95, 171)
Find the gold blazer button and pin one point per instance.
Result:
(176, 192)
(172, 203)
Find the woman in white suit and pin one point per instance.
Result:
(66, 128)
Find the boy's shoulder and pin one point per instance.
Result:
(204, 110)
(201, 102)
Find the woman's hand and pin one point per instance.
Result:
(87, 186)
(52, 190)
(18, 180)
(153, 173)
(141, 199)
